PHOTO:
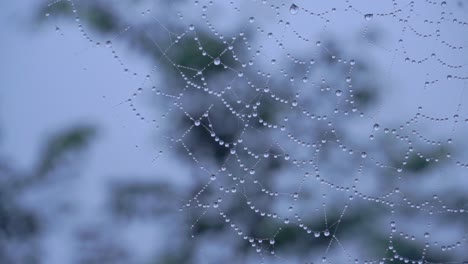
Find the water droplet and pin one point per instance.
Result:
(293, 9)
(368, 16)
(376, 127)
(197, 122)
(338, 93)
(108, 43)
(252, 172)
(217, 61)
(363, 155)
(443, 4)
(251, 19)
(213, 177)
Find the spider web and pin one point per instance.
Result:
(341, 123)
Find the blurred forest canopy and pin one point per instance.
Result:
(277, 117)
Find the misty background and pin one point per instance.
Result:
(84, 180)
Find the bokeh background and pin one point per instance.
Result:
(83, 179)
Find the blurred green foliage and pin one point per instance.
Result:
(19, 223)
(72, 140)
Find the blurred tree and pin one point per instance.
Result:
(21, 224)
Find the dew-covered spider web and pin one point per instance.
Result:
(318, 131)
